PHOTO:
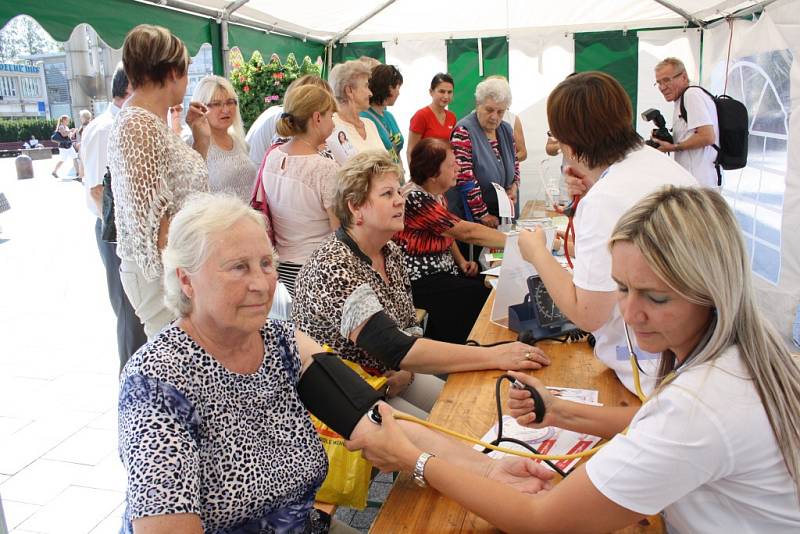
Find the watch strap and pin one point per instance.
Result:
(419, 468)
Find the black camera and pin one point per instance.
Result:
(660, 131)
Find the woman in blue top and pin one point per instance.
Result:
(384, 83)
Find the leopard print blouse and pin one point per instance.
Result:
(331, 274)
(239, 450)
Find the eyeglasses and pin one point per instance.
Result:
(217, 104)
(665, 81)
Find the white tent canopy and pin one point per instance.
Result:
(324, 20)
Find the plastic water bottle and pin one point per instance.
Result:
(796, 328)
(553, 189)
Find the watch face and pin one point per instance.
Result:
(545, 309)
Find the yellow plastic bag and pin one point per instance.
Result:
(347, 482)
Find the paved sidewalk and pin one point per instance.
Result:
(59, 467)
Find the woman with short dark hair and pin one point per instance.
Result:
(434, 120)
(385, 82)
(443, 283)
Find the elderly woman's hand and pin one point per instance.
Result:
(469, 268)
(532, 243)
(520, 403)
(522, 474)
(397, 382)
(489, 220)
(512, 192)
(387, 447)
(518, 356)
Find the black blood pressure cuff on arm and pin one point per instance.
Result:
(380, 336)
(384, 341)
(335, 394)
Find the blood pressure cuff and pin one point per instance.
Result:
(380, 336)
(335, 394)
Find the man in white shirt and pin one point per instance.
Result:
(696, 132)
(94, 150)
(260, 135)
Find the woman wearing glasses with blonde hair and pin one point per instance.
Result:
(230, 168)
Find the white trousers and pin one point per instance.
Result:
(146, 297)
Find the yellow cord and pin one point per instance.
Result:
(525, 454)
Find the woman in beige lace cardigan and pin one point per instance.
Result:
(153, 171)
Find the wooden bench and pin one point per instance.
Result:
(11, 149)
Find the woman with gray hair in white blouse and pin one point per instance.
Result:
(230, 169)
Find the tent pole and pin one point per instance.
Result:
(344, 33)
(744, 12)
(680, 12)
(226, 49)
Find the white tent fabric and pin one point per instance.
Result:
(414, 19)
(763, 72)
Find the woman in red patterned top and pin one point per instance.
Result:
(442, 281)
(434, 120)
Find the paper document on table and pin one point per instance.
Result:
(494, 271)
(505, 207)
(548, 440)
(513, 282)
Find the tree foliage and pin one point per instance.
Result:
(23, 36)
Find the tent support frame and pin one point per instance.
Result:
(344, 33)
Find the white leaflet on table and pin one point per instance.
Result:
(513, 281)
(505, 207)
(494, 271)
(548, 440)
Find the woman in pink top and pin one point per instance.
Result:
(299, 182)
(434, 120)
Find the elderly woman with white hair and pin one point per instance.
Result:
(351, 134)
(230, 169)
(214, 429)
(486, 154)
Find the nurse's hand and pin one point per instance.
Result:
(386, 447)
(521, 404)
(575, 181)
(522, 474)
(533, 244)
(489, 220)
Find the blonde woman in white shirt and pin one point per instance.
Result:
(352, 134)
(716, 448)
(230, 169)
(299, 182)
(153, 171)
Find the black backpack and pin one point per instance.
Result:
(108, 230)
(734, 132)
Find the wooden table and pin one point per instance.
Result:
(467, 405)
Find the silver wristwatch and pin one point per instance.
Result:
(419, 469)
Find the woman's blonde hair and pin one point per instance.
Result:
(692, 241)
(150, 53)
(190, 239)
(299, 105)
(354, 180)
(204, 92)
(346, 75)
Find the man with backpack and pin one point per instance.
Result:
(695, 130)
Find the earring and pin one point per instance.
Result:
(359, 221)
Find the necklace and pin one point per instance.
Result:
(312, 147)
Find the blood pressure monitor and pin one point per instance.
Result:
(538, 316)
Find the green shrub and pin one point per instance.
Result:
(260, 85)
(22, 129)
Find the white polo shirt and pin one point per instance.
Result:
(702, 451)
(700, 111)
(94, 152)
(642, 172)
(262, 131)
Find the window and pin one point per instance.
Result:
(756, 192)
(30, 87)
(7, 86)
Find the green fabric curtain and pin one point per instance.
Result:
(249, 40)
(615, 53)
(111, 19)
(462, 65)
(347, 51)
